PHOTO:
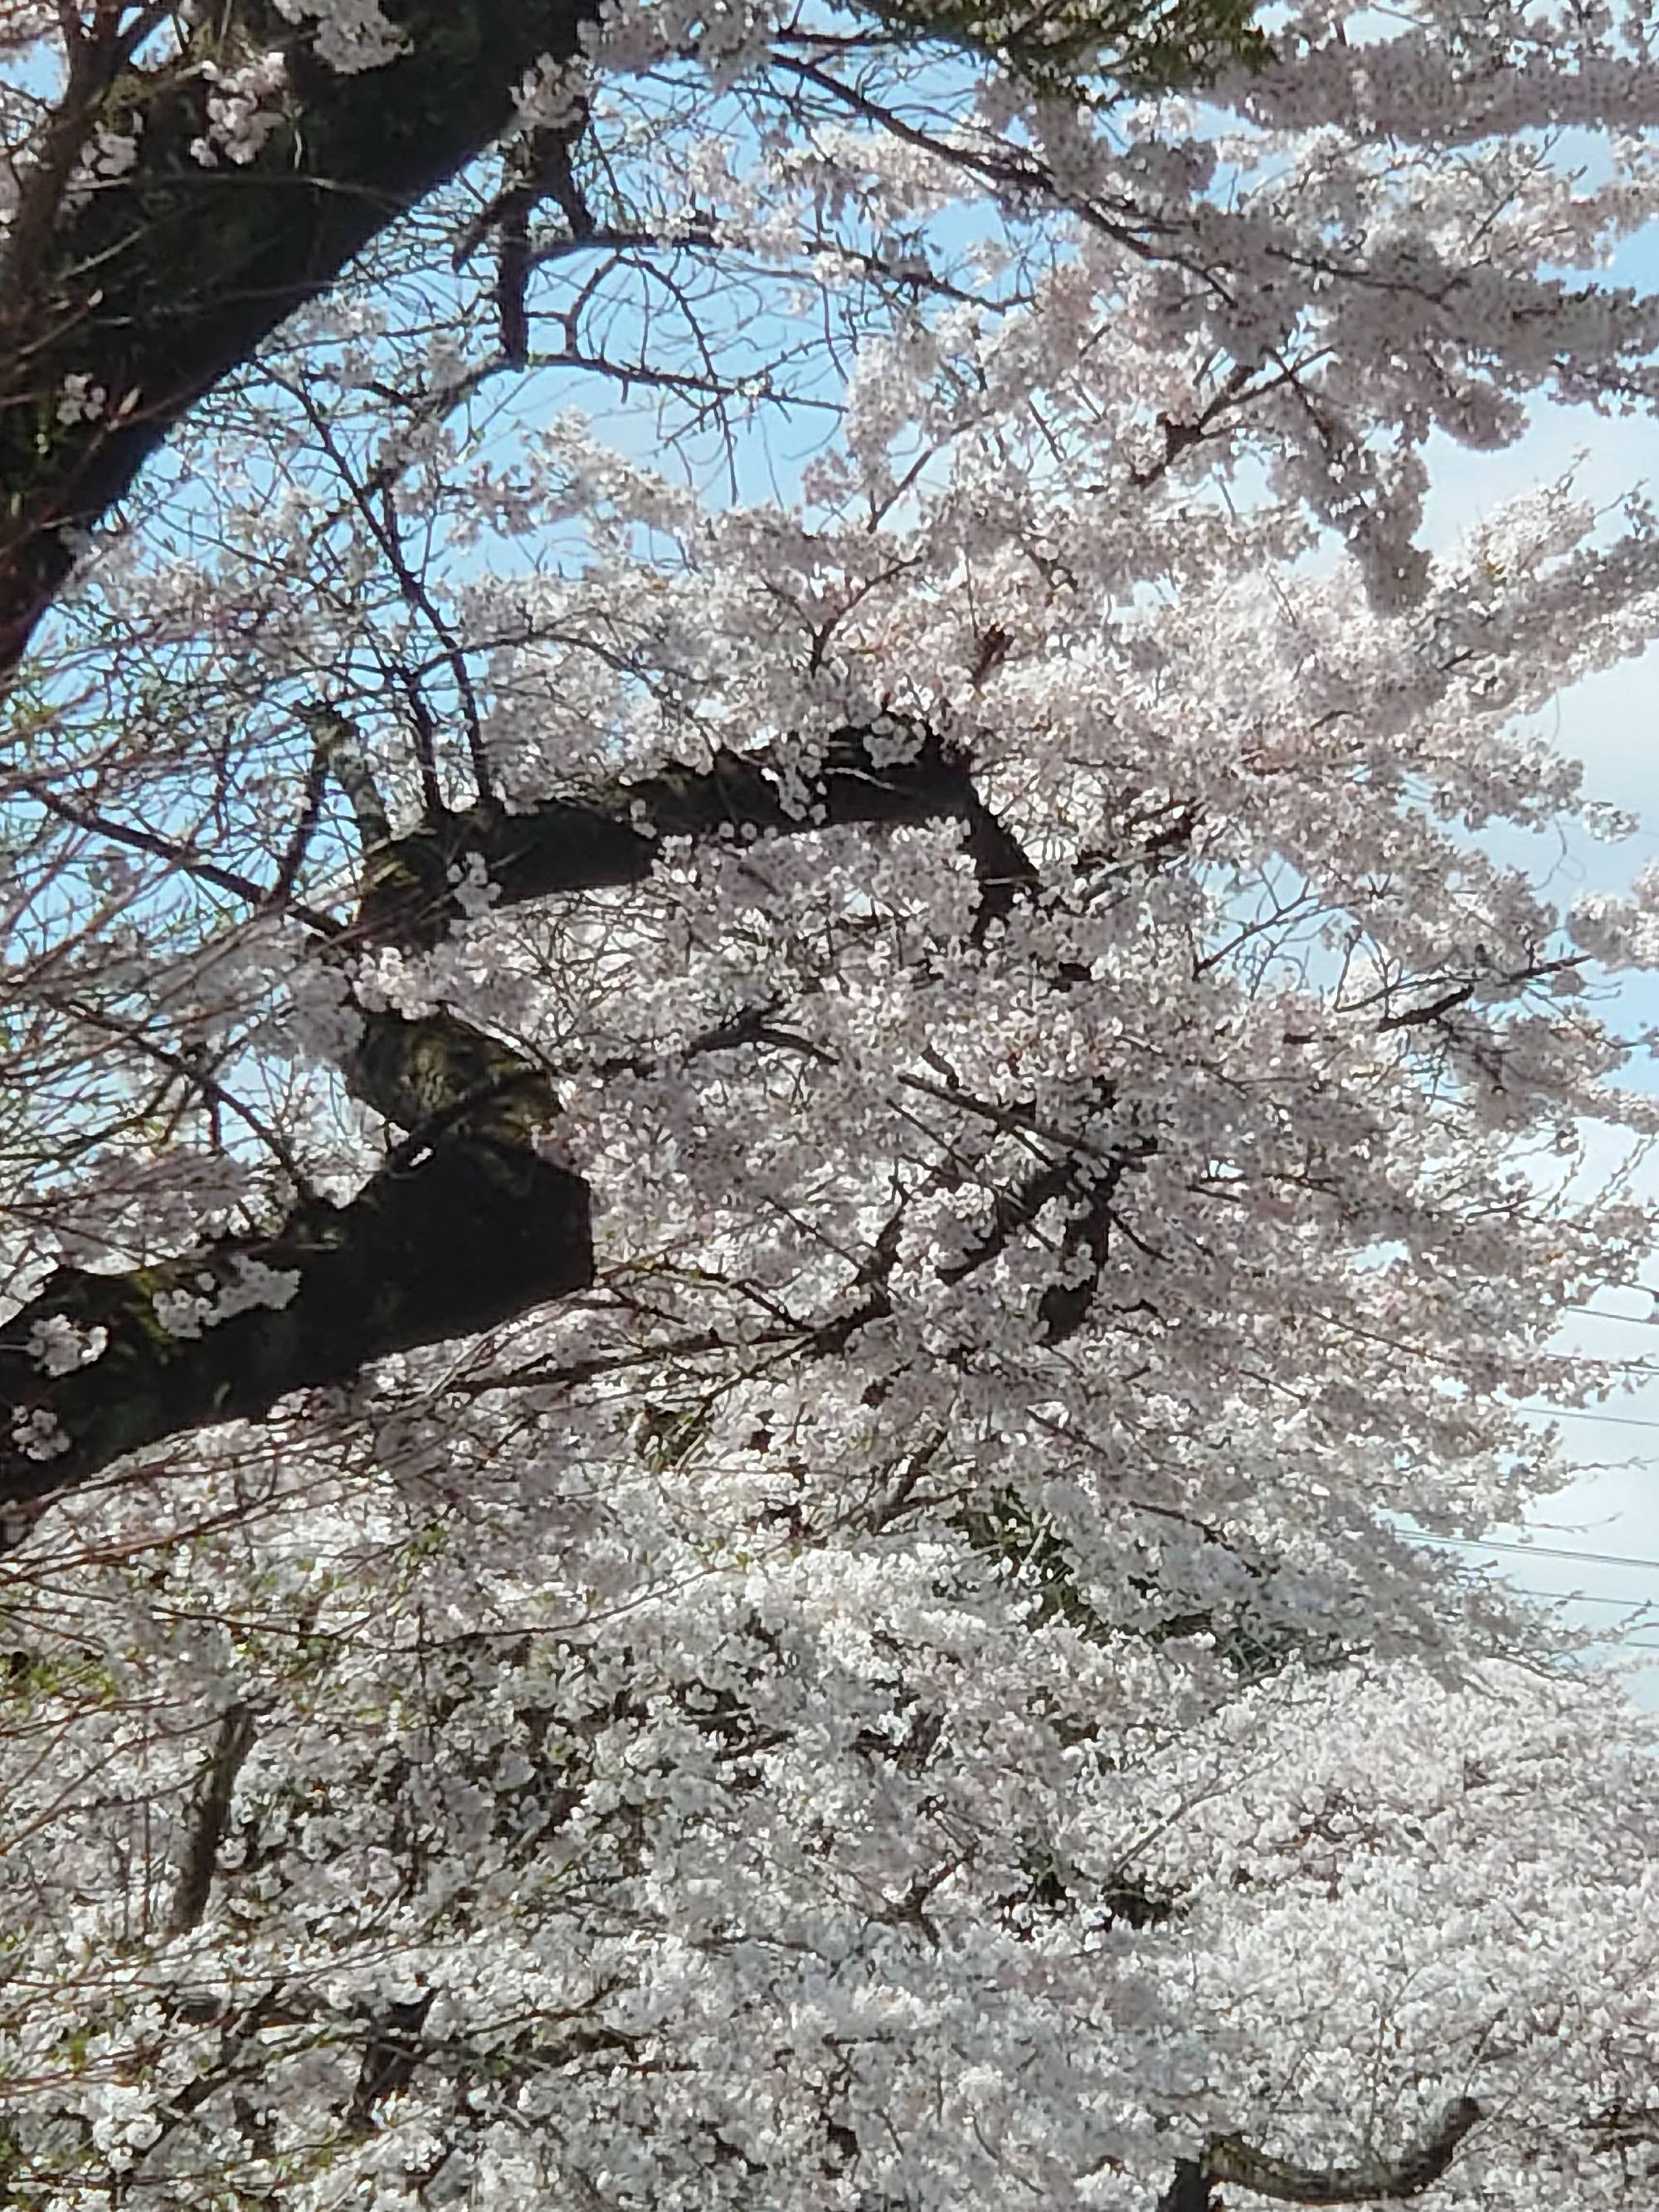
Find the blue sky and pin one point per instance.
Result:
(1610, 1518)
(1602, 1537)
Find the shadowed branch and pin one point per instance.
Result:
(1229, 2159)
(471, 1222)
(121, 305)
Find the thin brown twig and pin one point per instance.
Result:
(258, 896)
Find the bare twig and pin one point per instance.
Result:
(258, 896)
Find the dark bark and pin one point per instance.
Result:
(1190, 2190)
(610, 839)
(157, 285)
(1388, 2180)
(481, 1228)
(469, 1224)
(392, 2054)
(232, 1740)
(170, 276)
(1377, 2180)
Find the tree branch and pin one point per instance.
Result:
(481, 1228)
(615, 837)
(165, 278)
(1231, 2159)
(469, 1223)
(232, 1740)
(1190, 2190)
(181, 855)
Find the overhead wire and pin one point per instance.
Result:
(1547, 1551)
(1628, 1641)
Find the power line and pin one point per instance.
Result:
(1546, 1551)
(1588, 1413)
(1571, 1597)
(1592, 1597)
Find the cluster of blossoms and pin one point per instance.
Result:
(350, 35)
(920, 1687)
(187, 1309)
(243, 109)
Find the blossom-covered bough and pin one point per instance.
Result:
(773, 1120)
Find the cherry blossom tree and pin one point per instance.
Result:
(774, 1120)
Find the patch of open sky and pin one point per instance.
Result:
(1595, 1546)
(1607, 721)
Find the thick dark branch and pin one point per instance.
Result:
(615, 838)
(480, 1229)
(393, 2050)
(169, 276)
(1004, 869)
(1089, 1176)
(1190, 2190)
(1064, 1306)
(542, 170)
(470, 1224)
(605, 840)
(467, 1224)
(1013, 1211)
(1229, 2159)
